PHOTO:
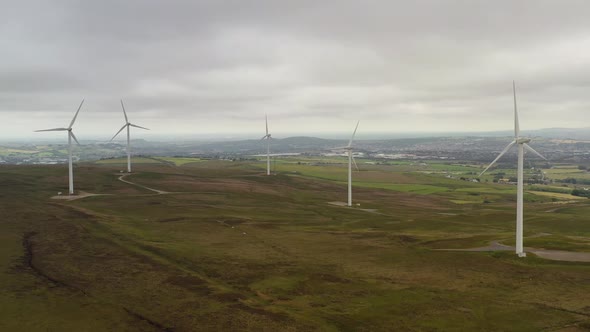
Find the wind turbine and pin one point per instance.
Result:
(70, 136)
(127, 125)
(267, 137)
(351, 161)
(522, 144)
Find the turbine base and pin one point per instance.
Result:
(521, 254)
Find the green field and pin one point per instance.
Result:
(560, 173)
(179, 161)
(556, 195)
(134, 160)
(230, 249)
(7, 151)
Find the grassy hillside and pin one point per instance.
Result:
(231, 249)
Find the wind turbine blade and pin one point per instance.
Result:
(136, 126)
(120, 130)
(266, 119)
(263, 137)
(516, 123)
(75, 116)
(74, 137)
(54, 129)
(499, 156)
(353, 133)
(355, 165)
(124, 113)
(526, 146)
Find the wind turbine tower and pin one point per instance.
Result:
(522, 145)
(127, 125)
(267, 137)
(351, 161)
(70, 136)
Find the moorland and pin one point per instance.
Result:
(188, 244)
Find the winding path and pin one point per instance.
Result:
(160, 192)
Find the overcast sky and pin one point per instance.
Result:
(205, 67)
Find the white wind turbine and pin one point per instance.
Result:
(267, 137)
(522, 144)
(70, 136)
(351, 161)
(127, 125)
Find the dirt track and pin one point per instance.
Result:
(80, 195)
(160, 192)
(556, 255)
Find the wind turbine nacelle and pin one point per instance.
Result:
(523, 140)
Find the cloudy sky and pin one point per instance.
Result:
(216, 67)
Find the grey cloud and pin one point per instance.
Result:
(401, 65)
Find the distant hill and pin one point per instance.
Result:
(560, 133)
(563, 133)
(290, 144)
(557, 143)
